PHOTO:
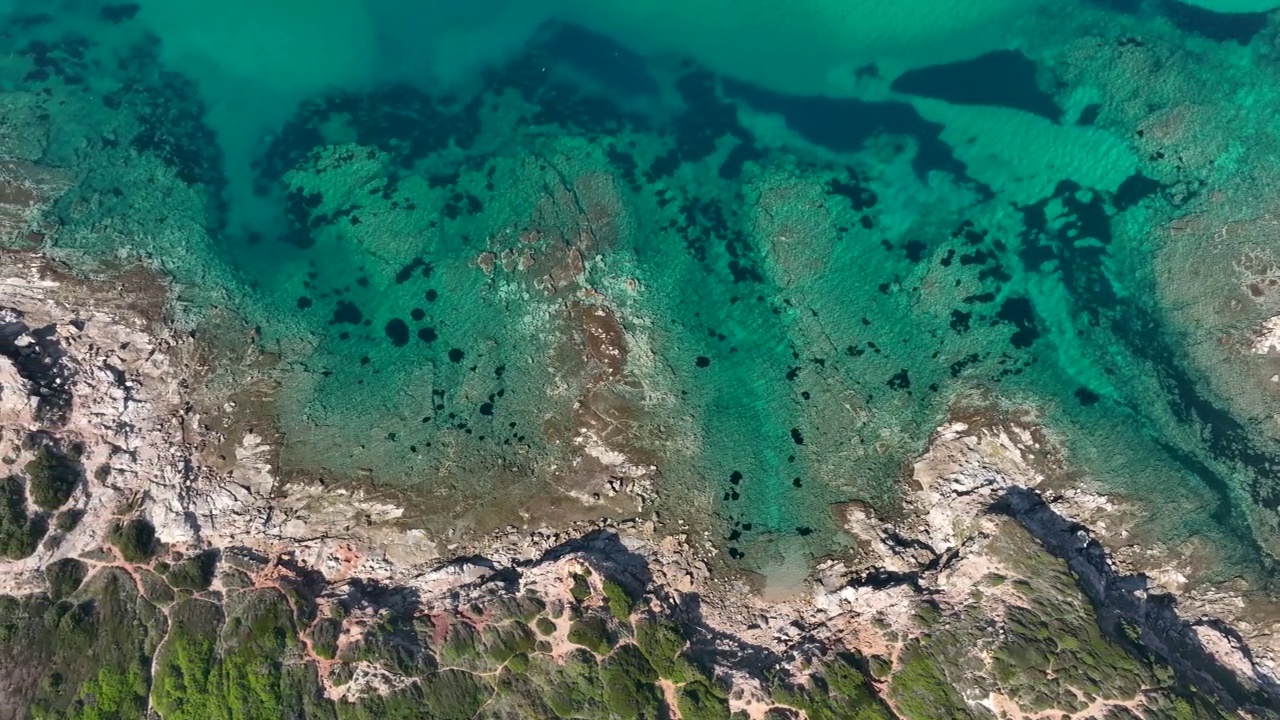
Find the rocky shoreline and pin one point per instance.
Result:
(129, 399)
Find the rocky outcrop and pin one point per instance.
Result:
(971, 477)
(1207, 652)
(985, 536)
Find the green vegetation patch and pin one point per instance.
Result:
(461, 646)
(83, 659)
(581, 589)
(65, 576)
(518, 664)
(921, 691)
(663, 644)
(454, 694)
(699, 701)
(620, 601)
(67, 520)
(324, 637)
(1049, 653)
(837, 691)
(113, 694)
(396, 645)
(445, 695)
(195, 572)
(135, 540)
(545, 626)
(518, 607)
(233, 579)
(53, 476)
(1052, 653)
(591, 632)
(154, 587)
(237, 665)
(20, 535)
(629, 685)
(188, 679)
(546, 689)
(505, 640)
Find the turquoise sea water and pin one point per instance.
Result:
(763, 249)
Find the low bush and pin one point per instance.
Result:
(919, 689)
(698, 701)
(620, 602)
(64, 577)
(837, 691)
(324, 637)
(544, 626)
(581, 589)
(629, 689)
(501, 642)
(20, 534)
(67, 520)
(52, 476)
(663, 644)
(592, 633)
(195, 572)
(135, 540)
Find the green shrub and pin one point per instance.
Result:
(660, 640)
(592, 633)
(20, 535)
(501, 642)
(663, 644)
(324, 637)
(235, 666)
(446, 695)
(67, 520)
(454, 694)
(698, 701)
(544, 626)
(113, 695)
(461, 644)
(581, 589)
(629, 689)
(572, 690)
(77, 626)
(395, 646)
(195, 572)
(620, 602)
(304, 606)
(879, 666)
(920, 691)
(837, 691)
(135, 540)
(52, 476)
(154, 587)
(233, 579)
(518, 664)
(520, 607)
(928, 615)
(64, 577)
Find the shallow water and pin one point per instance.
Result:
(763, 253)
